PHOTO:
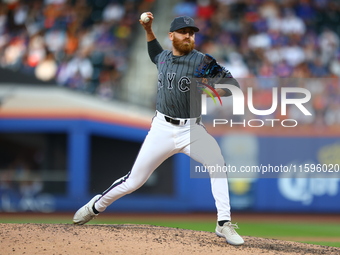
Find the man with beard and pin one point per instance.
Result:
(176, 127)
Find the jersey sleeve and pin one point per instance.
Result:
(154, 49)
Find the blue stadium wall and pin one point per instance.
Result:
(189, 194)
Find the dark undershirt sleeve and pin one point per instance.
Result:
(154, 48)
(231, 81)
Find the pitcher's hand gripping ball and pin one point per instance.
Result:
(144, 17)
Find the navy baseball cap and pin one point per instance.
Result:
(182, 22)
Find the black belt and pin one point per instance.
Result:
(177, 122)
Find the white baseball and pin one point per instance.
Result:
(144, 17)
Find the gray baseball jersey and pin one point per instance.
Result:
(177, 95)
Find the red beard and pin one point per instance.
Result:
(184, 47)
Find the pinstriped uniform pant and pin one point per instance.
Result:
(162, 141)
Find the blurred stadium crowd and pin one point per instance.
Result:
(84, 44)
(81, 44)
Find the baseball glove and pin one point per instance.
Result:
(212, 73)
(209, 68)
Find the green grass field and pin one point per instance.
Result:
(315, 233)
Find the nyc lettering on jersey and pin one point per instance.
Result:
(183, 84)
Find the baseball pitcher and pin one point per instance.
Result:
(174, 122)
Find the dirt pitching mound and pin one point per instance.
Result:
(136, 239)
